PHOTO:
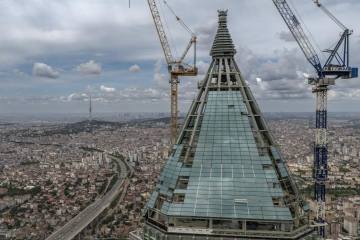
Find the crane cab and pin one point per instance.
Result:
(183, 70)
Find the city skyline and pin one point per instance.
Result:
(50, 66)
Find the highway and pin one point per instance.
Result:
(84, 218)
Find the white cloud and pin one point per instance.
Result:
(135, 68)
(279, 77)
(107, 89)
(76, 97)
(306, 75)
(160, 78)
(44, 70)
(286, 36)
(344, 94)
(202, 67)
(205, 34)
(111, 95)
(90, 68)
(263, 86)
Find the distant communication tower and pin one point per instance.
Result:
(90, 108)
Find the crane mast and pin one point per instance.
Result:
(336, 66)
(176, 67)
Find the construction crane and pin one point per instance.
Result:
(335, 67)
(176, 67)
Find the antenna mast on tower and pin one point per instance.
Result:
(90, 108)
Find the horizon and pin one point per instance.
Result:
(36, 118)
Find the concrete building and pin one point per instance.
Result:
(225, 178)
(351, 225)
(334, 230)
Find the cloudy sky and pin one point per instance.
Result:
(53, 53)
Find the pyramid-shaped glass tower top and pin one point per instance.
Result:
(225, 178)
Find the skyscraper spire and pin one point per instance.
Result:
(226, 178)
(223, 44)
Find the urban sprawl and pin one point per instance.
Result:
(51, 172)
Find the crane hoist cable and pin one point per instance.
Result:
(329, 14)
(337, 22)
(182, 23)
(169, 32)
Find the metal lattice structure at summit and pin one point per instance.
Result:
(225, 178)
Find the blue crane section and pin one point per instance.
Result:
(335, 67)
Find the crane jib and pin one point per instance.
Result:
(298, 33)
(337, 64)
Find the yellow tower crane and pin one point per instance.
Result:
(176, 67)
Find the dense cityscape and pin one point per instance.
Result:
(142, 120)
(51, 172)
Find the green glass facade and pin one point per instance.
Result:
(228, 177)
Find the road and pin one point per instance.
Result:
(84, 218)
